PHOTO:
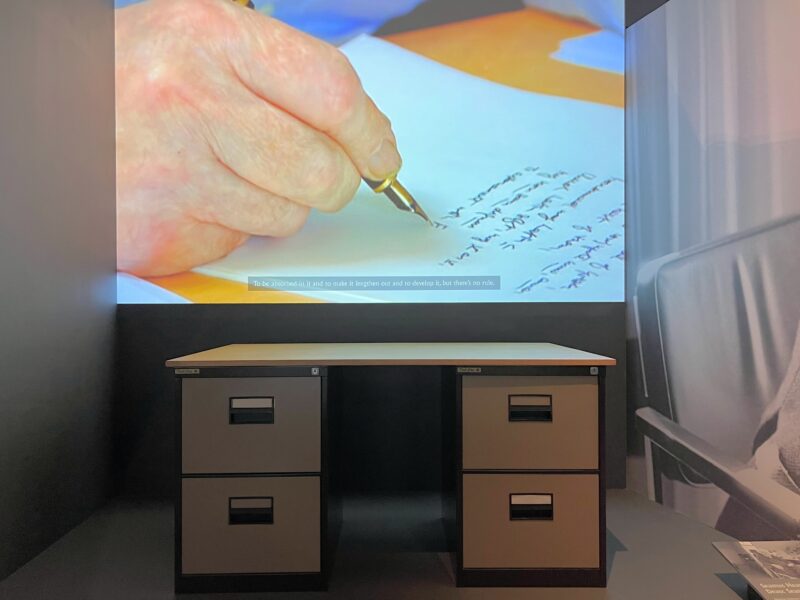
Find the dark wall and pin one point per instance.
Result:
(391, 416)
(57, 266)
(637, 9)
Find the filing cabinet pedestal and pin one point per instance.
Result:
(529, 480)
(253, 511)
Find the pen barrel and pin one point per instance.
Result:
(373, 183)
(379, 186)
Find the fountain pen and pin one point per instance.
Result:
(399, 196)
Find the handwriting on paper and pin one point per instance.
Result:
(568, 226)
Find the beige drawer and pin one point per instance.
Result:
(250, 525)
(506, 524)
(530, 422)
(251, 425)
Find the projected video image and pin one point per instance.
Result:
(370, 151)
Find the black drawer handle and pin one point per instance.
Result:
(252, 410)
(530, 407)
(531, 507)
(251, 510)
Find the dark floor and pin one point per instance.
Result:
(391, 548)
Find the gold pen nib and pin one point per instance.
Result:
(399, 196)
(412, 205)
(418, 211)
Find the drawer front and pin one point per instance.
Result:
(250, 525)
(530, 521)
(530, 422)
(251, 425)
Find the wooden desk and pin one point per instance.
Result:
(388, 354)
(512, 48)
(523, 473)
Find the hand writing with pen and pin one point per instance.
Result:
(231, 124)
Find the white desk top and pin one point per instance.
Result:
(407, 353)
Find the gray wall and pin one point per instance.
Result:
(57, 247)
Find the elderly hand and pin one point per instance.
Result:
(231, 124)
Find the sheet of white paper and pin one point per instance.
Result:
(603, 50)
(522, 186)
(133, 290)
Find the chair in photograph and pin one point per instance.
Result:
(716, 327)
